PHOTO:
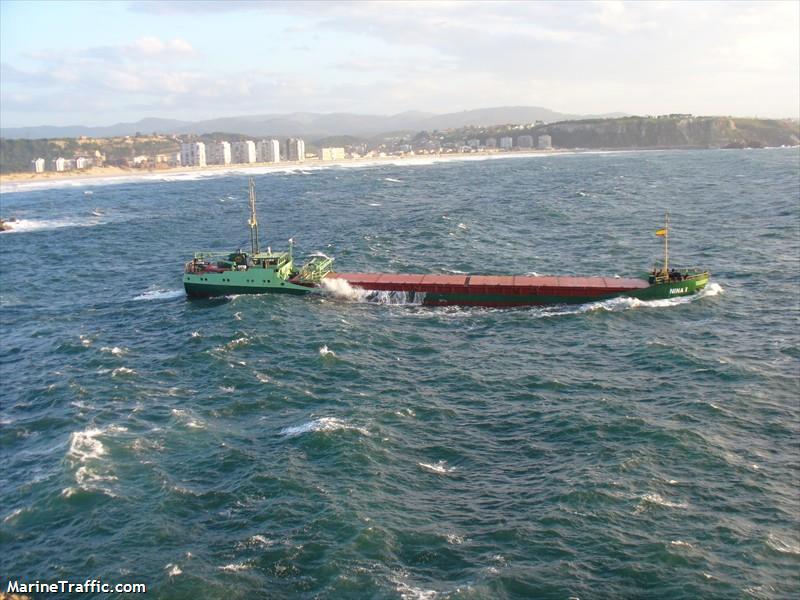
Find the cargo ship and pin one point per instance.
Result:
(211, 274)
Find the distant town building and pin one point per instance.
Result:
(525, 142)
(491, 142)
(219, 153)
(38, 165)
(193, 154)
(243, 152)
(268, 151)
(506, 143)
(141, 161)
(545, 142)
(474, 143)
(331, 153)
(83, 162)
(59, 164)
(295, 149)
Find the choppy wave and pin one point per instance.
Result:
(323, 424)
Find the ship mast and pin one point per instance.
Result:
(666, 244)
(253, 221)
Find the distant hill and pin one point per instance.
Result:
(307, 124)
(671, 132)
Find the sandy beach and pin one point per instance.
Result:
(13, 182)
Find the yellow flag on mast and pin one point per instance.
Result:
(661, 232)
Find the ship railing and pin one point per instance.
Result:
(208, 255)
(656, 275)
(315, 269)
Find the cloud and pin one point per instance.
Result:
(384, 57)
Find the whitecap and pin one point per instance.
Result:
(122, 371)
(653, 499)
(234, 567)
(680, 544)
(392, 180)
(440, 467)
(187, 419)
(326, 353)
(28, 225)
(173, 570)
(228, 389)
(160, 295)
(86, 452)
(462, 226)
(454, 539)
(323, 424)
(83, 445)
(14, 514)
(408, 592)
(782, 546)
(116, 350)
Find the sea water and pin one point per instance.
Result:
(357, 446)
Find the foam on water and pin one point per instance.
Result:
(440, 467)
(116, 350)
(651, 499)
(234, 567)
(324, 352)
(783, 546)
(323, 424)
(28, 225)
(160, 295)
(86, 454)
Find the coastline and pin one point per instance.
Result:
(27, 182)
(21, 182)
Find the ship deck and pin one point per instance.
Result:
(496, 285)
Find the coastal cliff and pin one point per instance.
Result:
(670, 132)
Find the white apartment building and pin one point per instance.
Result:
(295, 149)
(525, 142)
(545, 142)
(218, 153)
(491, 142)
(38, 165)
(331, 154)
(83, 163)
(243, 152)
(268, 151)
(193, 154)
(59, 164)
(506, 143)
(474, 143)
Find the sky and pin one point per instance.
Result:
(100, 63)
